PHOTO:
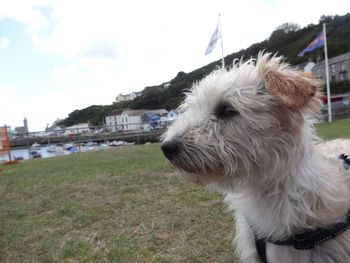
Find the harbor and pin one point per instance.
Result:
(32, 147)
(47, 151)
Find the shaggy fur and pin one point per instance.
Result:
(247, 131)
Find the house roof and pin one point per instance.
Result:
(116, 112)
(142, 112)
(135, 112)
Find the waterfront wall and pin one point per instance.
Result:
(137, 137)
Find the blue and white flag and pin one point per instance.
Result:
(214, 38)
(316, 43)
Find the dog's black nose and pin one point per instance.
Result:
(170, 148)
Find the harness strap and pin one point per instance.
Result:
(307, 240)
(260, 245)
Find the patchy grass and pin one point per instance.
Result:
(333, 130)
(120, 205)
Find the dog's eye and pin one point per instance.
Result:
(225, 110)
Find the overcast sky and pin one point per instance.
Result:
(58, 56)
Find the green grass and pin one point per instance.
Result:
(336, 129)
(119, 205)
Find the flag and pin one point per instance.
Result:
(214, 38)
(316, 43)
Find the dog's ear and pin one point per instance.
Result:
(294, 89)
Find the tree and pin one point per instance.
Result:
(325, 19)
(288, 27)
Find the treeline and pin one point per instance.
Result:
(287, 40)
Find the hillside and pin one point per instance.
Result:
(287, 40)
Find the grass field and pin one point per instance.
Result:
(336, 129)
(119, 205)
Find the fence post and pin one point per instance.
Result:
(28, 145)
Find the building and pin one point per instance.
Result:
(127, 97)
(133, 120)
(25, 123)
(54, 130)
(125, 120)
(113, 121)
(77, 129)
(154, 119)
(309, 66)
(339, 68)
(22, 130)
(172, 115)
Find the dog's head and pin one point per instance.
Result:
(242, 122)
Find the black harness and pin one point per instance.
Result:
(307, 240)
(310, 238)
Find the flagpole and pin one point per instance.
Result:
(222, 46)
(327, 74)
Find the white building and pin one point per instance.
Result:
(309, 66)
(131, 120)
(113, 121)
(77, 128)
(126, 97)
(168, 117)
(126, 120)
(172, 115)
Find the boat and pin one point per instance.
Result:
(67, 146)
(90, 144)
(103, 146)
(54, 149)
(121, 143)
(117, 143)
(35, 154)
(73, 149)
(35, 146)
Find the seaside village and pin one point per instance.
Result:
(121, 128)
(125, 120)
(130, 126)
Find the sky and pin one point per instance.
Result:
(57, 56)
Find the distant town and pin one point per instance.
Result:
(127, 126)
(141, 120)
(126, 120)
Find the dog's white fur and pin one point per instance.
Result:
(264, 158)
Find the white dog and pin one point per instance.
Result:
(247, 132)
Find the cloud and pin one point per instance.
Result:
(61, 74)
(4, 42)
(101, 50)
(26, 12)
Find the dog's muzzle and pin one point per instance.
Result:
(170, 148)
